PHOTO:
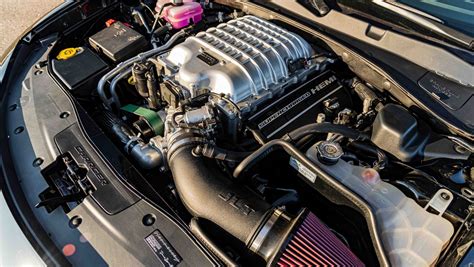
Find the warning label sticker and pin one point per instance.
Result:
(307, 173)
(163, 249)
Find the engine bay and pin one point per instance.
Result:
(262, 140)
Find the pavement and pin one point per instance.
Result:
(17, 15)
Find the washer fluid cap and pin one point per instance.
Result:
(68, 53)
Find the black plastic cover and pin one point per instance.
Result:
(299, 107)
(109, 192)
(396, 131)
(140, 235)
(80, 72)
(118, 42)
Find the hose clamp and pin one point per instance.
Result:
(134, 140)
(265, 230)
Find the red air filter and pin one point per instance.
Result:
(313, 244)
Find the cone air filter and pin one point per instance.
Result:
(313, 244)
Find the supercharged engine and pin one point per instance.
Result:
(247, 59)
(266, 144)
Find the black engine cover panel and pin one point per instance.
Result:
(299, 106)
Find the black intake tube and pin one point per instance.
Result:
(208, 194)
(201, 235)
(144, 154)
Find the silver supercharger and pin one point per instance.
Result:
(248, 59)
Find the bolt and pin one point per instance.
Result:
(445, 196)
(37, 162)
(75, 221)
(471, 207)
(321, 118)
(41, 64)
(460, 149)
(149, 219)
(13, 107)
(64, 114)
(345, 56)
(19, 130)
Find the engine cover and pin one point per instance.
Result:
(299, 107)
(246, 59)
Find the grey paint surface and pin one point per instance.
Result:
(17, 15)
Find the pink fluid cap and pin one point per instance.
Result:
(180, 16)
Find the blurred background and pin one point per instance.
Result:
(17, 15)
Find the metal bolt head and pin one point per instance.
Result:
(75, 221)
(445, 196)
(19, 130)
(64, 114)
(460, 149)
(321, 118)
(37, 162)
(13, 107)
(149, 219)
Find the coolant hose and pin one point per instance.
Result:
(214, 152)
(315, 128)
(124, 67)
(325, 127)
(382, 158)
(144, 154)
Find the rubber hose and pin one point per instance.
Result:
(129, 62)
(325, 127)
(214, 152)
(144, 154)
(382, 158)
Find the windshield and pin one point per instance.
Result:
(442, 21)
(457, 14)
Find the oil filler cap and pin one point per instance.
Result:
(68, 53)
(329, 152)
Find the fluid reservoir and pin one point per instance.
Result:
(179, 13)
(411, 235)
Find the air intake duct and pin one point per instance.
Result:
(208, 194)
(268, 232)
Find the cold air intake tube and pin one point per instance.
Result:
(278, 238)
(208, 194)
